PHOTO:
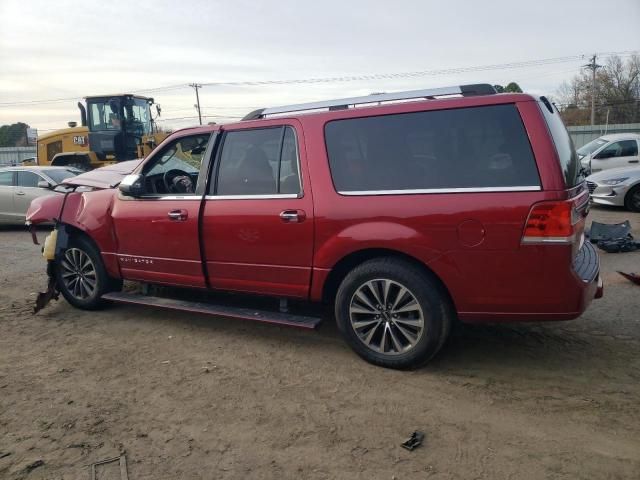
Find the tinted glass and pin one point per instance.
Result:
(629, 148)
(463, 148)
(6, 179)
(624, 148)
(262, 161)
(60, 174)
(564, 145)
(289, 176)
(28, 179)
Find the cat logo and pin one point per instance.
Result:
(79, 140)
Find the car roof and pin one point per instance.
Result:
(392, 107)
(621, 136)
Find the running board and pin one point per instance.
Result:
(265, 316)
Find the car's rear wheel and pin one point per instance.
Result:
(81, 276)
(632, 199)
(392, 313)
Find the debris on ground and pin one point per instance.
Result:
(620, 245)
(32, 466)
(122, 459)
(414, 441)
(4, 454)
(633, 277)
(609, 231)
(613, 238)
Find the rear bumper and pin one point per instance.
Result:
(583, 285)
(586, 266)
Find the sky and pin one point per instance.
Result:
(64, 50)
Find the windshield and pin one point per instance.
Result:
(137, 117)
(591, 147)
(60, 174)
(104, 114)
(118, 113)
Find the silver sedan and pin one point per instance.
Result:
(617, 186)
(20, 185)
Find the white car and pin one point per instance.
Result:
(610, 151)
(20, 185)
(617, 186)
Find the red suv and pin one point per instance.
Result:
(405, 211)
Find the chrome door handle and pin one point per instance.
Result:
(20, 193)
(178, 215)
(292, 216)
(634, 161)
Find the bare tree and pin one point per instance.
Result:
(617, 93)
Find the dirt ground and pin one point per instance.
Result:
(196, 397)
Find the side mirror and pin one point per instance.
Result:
(44, 184)
(132, 185)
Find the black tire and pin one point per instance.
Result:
(389, 276)
(86, 292)
(632, 199)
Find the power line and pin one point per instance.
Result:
(196, 116)
(351, 78)
(422, 73)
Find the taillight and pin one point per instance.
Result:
(551, 222)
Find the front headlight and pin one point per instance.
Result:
(614, 181)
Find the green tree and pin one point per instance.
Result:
(14, 135)
(512, 87)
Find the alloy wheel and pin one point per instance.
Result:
(78, 273)
(386, 316)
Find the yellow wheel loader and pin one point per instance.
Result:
(113, 128)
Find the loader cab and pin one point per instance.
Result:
(117, 124)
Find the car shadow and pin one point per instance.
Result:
(513, 352)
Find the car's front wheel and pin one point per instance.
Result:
(392, 313)
(632, 199)
(81, 276)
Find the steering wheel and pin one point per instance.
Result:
(177, 181)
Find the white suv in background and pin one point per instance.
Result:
(610, 151)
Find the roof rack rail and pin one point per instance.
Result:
(344, 103)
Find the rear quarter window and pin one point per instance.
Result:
(564, 145)
(468, 148)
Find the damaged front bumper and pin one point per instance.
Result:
(54, 243)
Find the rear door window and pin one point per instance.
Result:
(6, 179)
(261, 161)
(28, 179)
(484, 148)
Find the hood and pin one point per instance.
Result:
(631, 172)
(105, 177)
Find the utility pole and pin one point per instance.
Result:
(196, 86)
(593, 66)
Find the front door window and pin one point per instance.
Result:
(625, 148)
(176, 169)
